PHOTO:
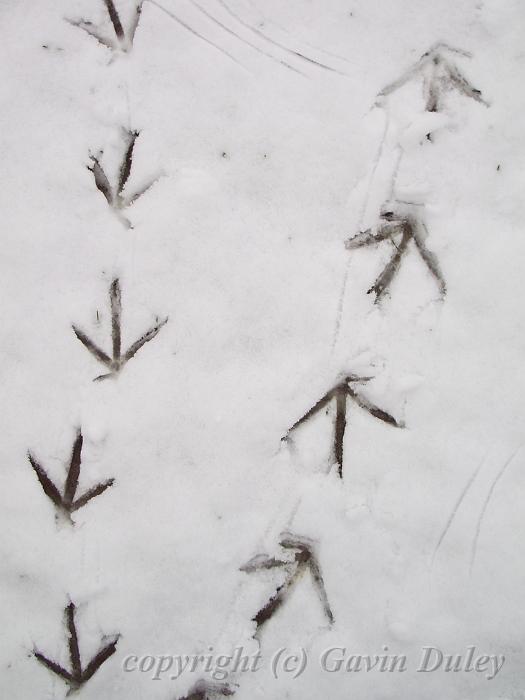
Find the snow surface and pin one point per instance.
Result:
(264, 172)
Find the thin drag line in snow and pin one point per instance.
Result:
(264, 36)
(299, 499)
(485, 505)
(340, 305)
(341, 300)
(455, 509)
(196, 33)
(396, 171)
(297, 502)
(312, 46)
(245, 41)
(287, 503)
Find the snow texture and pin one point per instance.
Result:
(263, 146)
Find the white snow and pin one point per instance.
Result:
(264, 172)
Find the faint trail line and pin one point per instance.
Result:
(341, 300)
(340, 305)
(244, 41)
(306, 43)
(294, 455)
(298, 501)
(456, 507)
(248, 26)
(128, 102)
(286, 504)
(401, 153)
(329, 53)
(486, 503)
(197, 34)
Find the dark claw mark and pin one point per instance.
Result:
(461, 84)
(66, 502)
(208, 691)
(117, 361)
(312, 411)
(272, 605)
(261, 561)
(321, 591)
(55, 668)
(303, 559)
(76, 677)
(101, 181)
(74, 651)
(340, 393)
(100, 657)
(135, 23)
(115, 196)
(367, 237)
(125, 167)
(74, 471)
(138, 194)
(149, 335)
(410, 229)
(116, 308)
(384, 280)
(440, 74)
(430, 260)
(115, 19)
(340, 427)
(124, 40)
(48, 486)
(93, 349)
(88, 28)
(91, 493)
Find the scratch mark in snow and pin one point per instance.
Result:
(196, 33)
(485, 505)
(341, 300)
(312, 46)
(299, 55)
(455, 509)
(245, 41)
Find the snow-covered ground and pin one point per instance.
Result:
(259, 122)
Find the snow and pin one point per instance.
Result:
(263, 173)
